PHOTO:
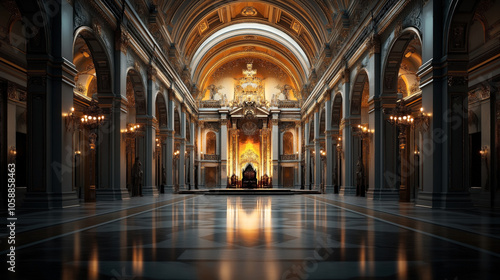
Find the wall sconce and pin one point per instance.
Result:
(12, 153)
(340, 152)
(484, 152)
(131, 131)
(416, 153)
(322, 154)
(423, 120)
(157, 151)
(71, 120)
(364, 132)
(176, 155)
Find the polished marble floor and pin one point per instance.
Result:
(255, 237)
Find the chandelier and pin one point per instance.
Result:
(92, 118)
(401, 116)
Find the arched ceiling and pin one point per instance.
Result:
(289, 34)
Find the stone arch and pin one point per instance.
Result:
(394, 58)
(360, 93)
(98, 55)
(135, 86)
(322, 122)
(36, 33)
(161, 110)
(337, 111)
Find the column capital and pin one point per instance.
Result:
(121, 39)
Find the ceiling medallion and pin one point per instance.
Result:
(249, 11)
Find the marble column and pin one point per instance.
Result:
(223, 150)
(50, 95)
(317, 154)
(348, 187)
(307, 155)
(201, 168)
(169, 143)
(445, 150)
(377, 190)
(298, 182)
(115, 186)
(329, 149)
(182, 154)
(275, 150)
(149, 187)
(192, 156)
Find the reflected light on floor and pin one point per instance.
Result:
(247, 224)
(402, 260)
(137, 258)
(362, 258)
(94, 263)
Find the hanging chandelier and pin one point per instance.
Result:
(401, 116)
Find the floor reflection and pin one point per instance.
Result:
(249, 223)
(251, 237)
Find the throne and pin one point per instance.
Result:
(249, 179)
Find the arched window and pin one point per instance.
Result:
(211, 143)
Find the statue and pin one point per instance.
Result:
(360, 176)
(265, 180)
(213, 91)
(234, 180)
(286, 91)
(163, 179)
(137, 178)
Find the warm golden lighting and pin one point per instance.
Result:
(137, 258)
(249, 224)
(249, 152)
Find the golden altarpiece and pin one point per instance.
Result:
(249, 120)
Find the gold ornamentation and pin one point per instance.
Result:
(249, 90)
(203, 27)
(249, 11)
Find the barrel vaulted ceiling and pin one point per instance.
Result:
(293, 35)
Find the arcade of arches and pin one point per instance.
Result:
(189, 94)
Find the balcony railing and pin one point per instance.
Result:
(210, 104)
(288, 104)
(289, 157)
(210, 157)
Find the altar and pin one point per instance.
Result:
(241, 111)
(249, 153)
